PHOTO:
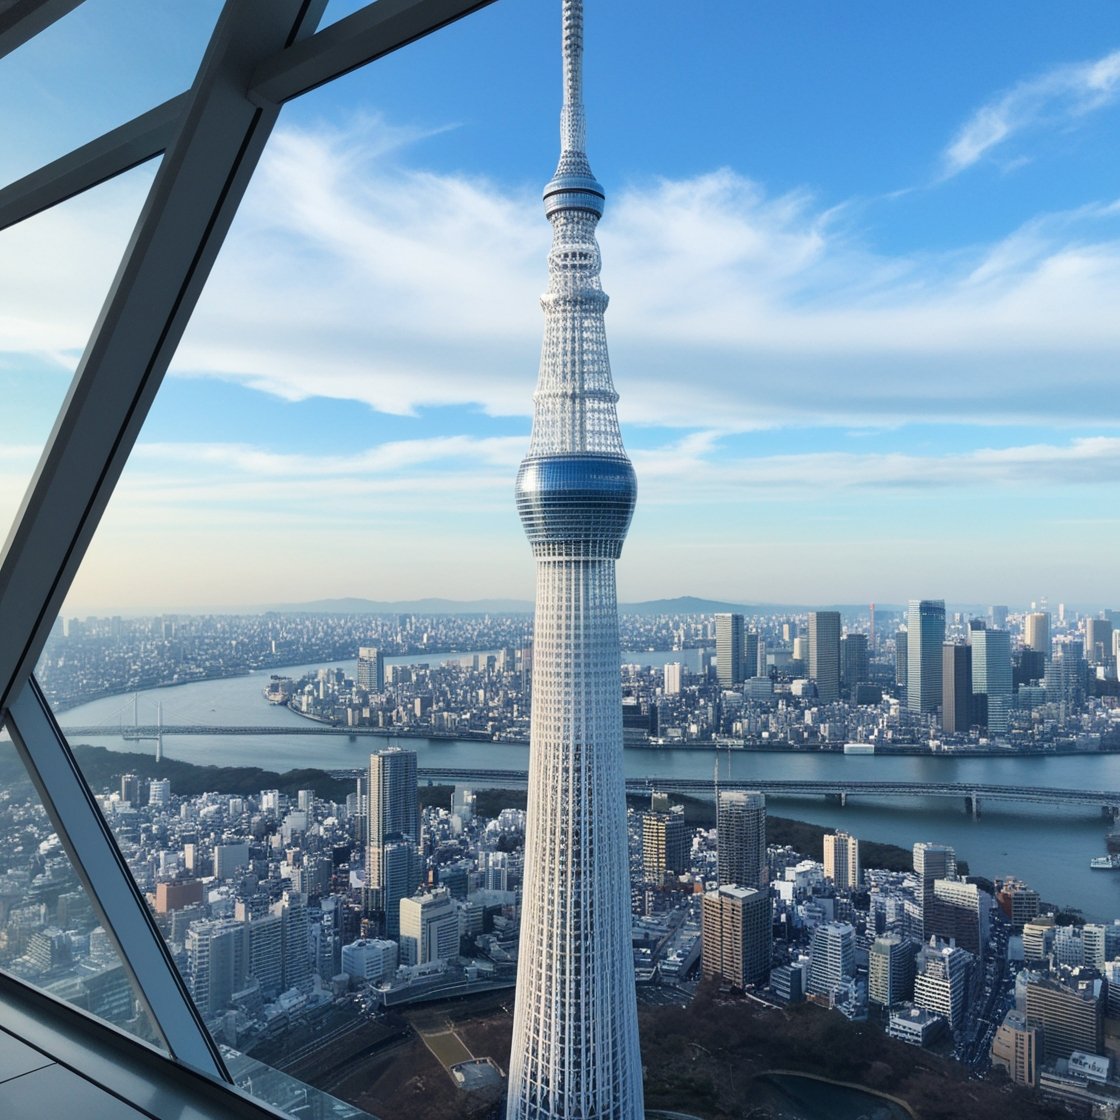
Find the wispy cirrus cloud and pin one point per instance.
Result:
(677, 474)
(1055, 98)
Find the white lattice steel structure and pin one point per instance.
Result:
(575, 1040)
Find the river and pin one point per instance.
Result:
(1046, 846)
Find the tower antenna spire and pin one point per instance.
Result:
(573, 123)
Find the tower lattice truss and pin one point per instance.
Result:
(575, 1044)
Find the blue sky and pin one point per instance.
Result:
(864, 265)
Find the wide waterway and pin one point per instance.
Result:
(1048, 847)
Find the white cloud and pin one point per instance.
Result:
(351, 274)
(677, 475)
(1055, 98)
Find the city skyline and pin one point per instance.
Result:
(869, 350)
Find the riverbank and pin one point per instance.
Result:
(102, 769)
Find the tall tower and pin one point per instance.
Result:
(926, 626)
(729, 649)
(575, 1029)
(824, 653)
(393, 834)
(741, 838)
(991, 676)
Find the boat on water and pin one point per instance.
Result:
(1105, 863)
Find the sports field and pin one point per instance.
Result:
(447, 1046)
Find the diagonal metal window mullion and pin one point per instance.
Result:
(352, 42)
(118, 151)
(363, 36)
(22, 20)
(196, 192)
(102, 871)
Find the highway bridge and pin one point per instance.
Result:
(311, 727)
(973, 795)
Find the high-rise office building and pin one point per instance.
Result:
(130, 789)
(824, 653)
(1098, 641)
(575, 1030)
(901, 661)
(841, 860)
(748, 667)
(216, 962)
(393, 805)
(393, 834)
(998, 616)
(961, 912)
(1036, 633)
(855, 663)
(729, 649)
(932, 862)
(832, 956)
(736, 935)
(1020, 904)
(956, 688)
(1071, 1015)
(741, 839)
(665, 845)
(925, 624)
(429, 928)
(1038, 937)
(370, 673)
(941, 981)
(991, 677)
(1017, 1048)
(890, 970)
(295, 939)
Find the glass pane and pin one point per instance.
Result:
(55, 270)
(63, 88)
(49, 935)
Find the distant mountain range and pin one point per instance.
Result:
(684, 604)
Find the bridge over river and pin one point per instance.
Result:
(973, 795)
(1107, 801)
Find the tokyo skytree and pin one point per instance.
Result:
(575, 1029)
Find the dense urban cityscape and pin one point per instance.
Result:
(330, 909)
(556, 860)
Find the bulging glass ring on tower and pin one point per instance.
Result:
(574, 192)
(576, 505)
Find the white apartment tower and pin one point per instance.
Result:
(941, 983)
(729, 649)
(575, 1028)
(832, 956)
